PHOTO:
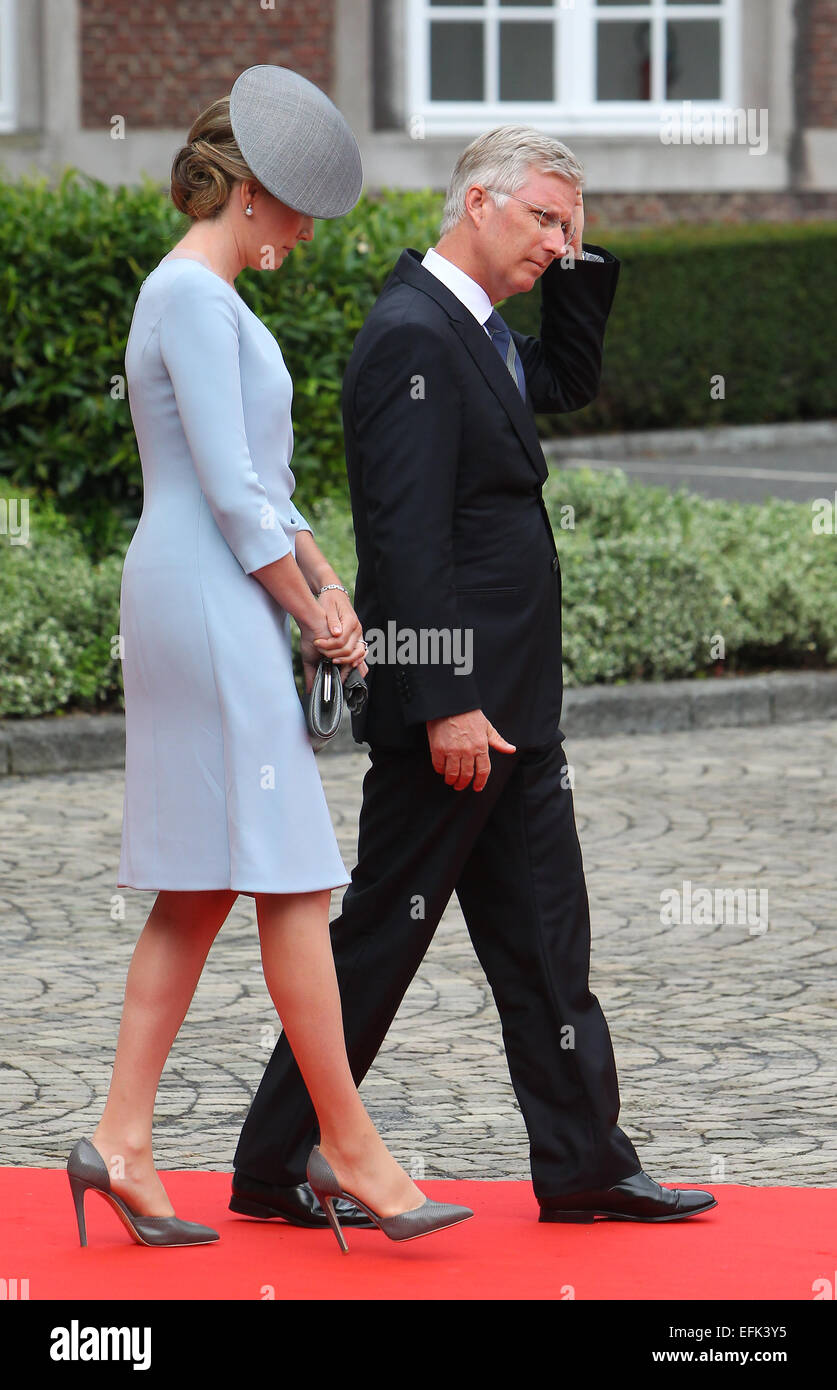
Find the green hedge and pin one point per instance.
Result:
(59, 613)
(72, 259)
(751, 303)
(649, 579)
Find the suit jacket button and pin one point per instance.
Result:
(554, 563)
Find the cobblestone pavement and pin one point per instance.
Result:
(724, 1034)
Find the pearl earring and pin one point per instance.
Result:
(249, 210)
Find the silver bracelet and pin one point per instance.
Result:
(333, 586)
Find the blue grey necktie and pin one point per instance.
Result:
(504, 342)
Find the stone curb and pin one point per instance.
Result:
(89, 742)
(723, 438)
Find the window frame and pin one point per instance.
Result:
(8, 66)
(574, 68)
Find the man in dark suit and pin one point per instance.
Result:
(459, 588)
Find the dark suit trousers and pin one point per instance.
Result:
(512, 855)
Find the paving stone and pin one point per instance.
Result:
(725, 1040)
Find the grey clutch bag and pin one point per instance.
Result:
(325, 699)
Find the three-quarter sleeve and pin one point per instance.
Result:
(199, 346)
(298, 522)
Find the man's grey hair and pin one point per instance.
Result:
(503, 158)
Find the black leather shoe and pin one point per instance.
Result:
(638, 1198)
(296, 1205)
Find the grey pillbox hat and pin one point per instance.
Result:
(295, 141)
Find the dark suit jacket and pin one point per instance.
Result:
(445, 475)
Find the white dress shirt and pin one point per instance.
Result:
(472, 295)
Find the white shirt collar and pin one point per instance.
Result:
(472, 295)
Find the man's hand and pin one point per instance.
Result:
(578, 221)
(459, 745)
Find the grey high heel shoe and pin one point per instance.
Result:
(405, 1225)
(87, 1171)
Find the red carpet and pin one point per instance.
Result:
(758, 1243)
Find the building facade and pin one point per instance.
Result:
(718, 109)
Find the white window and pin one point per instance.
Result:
(595, 66)
(8, 65)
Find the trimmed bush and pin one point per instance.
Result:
(650, 579)
(59, 613)
(750, 304)
(72, 260)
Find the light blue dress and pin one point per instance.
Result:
(222, 788)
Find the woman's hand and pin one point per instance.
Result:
(312, 656)
(340, 638)
(343, 641)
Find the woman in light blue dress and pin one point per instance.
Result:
(222, 790)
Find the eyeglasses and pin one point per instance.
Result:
(547, 221)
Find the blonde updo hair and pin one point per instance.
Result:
(205, 169)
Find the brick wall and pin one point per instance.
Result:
(819, 86)
(658, 209)
(160, 62)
